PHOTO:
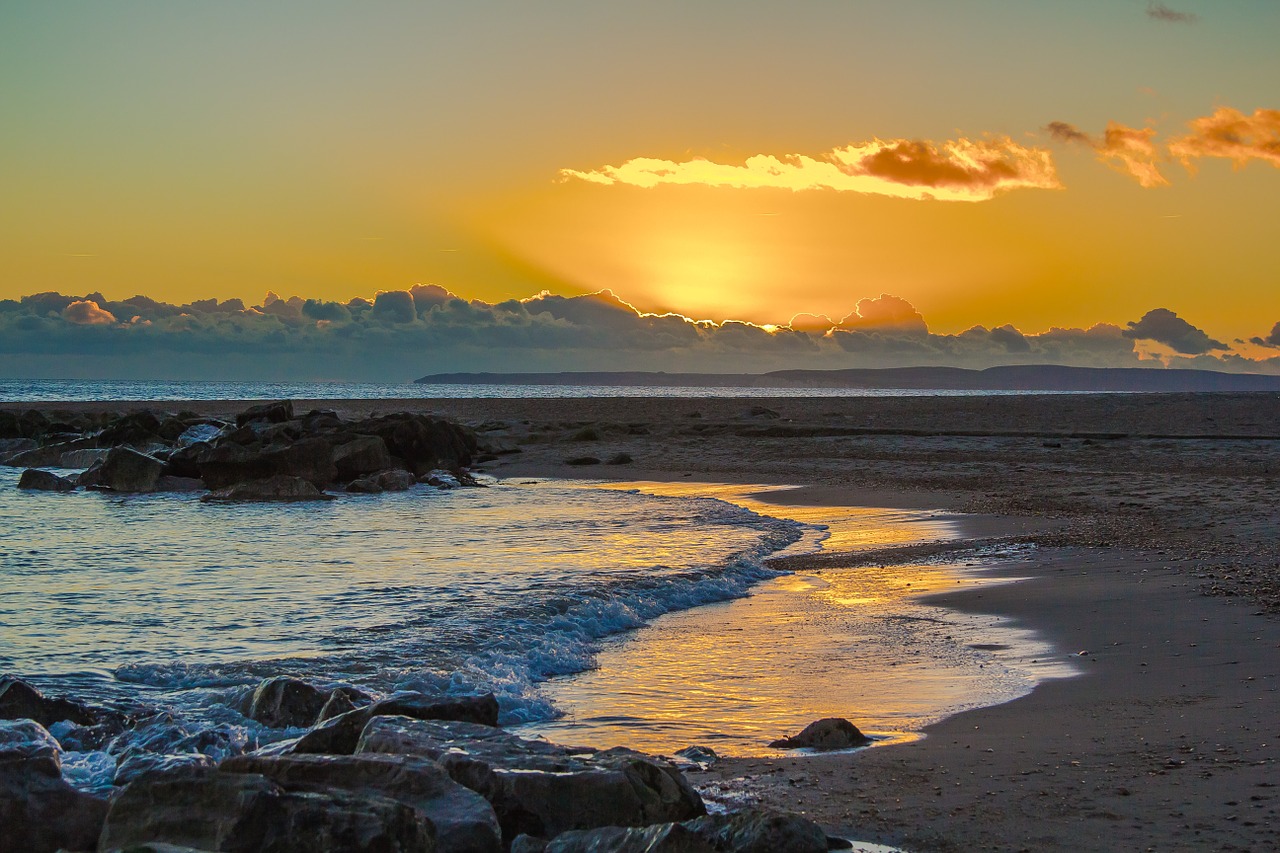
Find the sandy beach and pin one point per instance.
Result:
(1155, 520)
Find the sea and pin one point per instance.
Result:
(637, 614)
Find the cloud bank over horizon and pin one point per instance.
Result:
(402, 334)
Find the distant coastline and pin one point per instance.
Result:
(1034, 377)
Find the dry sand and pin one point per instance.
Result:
(1156, 518)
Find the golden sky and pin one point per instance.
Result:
(1037, 164)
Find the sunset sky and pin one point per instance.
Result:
(1034, 164)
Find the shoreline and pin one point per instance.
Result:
(1156, 555)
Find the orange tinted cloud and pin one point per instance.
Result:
(956, 170)
(1161, 12)
(1232, 135)
(86, 312)
(1126, 149)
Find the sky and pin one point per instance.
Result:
(1104, 168)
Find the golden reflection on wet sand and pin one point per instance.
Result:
(855, 643)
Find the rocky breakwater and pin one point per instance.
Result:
(268, 452)
(406, 772)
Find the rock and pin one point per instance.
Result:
(135, 765)
(762, 412)
(422, 441)
(44, 481)
(21, 701)
(311, 459)
(168, 483)
(275, 412)
(528, 844)
(247, 812)
(201, 433)
(464, 820)
(582, 460)
(82, 458)
(395, 480)
(185, 461)
(363, 455)
(39, 811)
(337, 704)
(10, 446)
(441, 479)
(758, 831)
(619, 459)
(829, 733)
(701, 757)
(660, 838)
(135, 428)
(341, 734)
(49, 456)
(538, 788)
(126, 470)
(284, 702)
(278, 488)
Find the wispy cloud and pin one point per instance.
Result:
(956, 170)
(1160, 12)
(1126, 149)
(1230, 134)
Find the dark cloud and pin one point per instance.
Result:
(1160, 12)
(1164, 326)
(1271, 340)
(402, 334)
(1061, 131)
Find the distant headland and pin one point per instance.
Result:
(1033, 377)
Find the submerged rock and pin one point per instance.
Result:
(284, 702)
(828, 733)
(464, 820)
(539, 788)
(277, 488)
(19, 700)
(44, 481)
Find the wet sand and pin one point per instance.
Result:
(1156, 520)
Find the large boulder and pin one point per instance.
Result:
(210, 810)
(464, 820)
(48, 456)
(21, 701)
(825, 734)
(275, 412)
(39, 811)
(124, 470)
(759, 831)
(423, 442)
(339, 735)
(310, 459)
(284, 702)
(82, 458)
(538, 788)
(44, 481)
(364, 454)
(277, 488)
(138, 429)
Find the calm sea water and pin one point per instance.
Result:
(43, 390)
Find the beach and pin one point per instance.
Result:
(1153, 519)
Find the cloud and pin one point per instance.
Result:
(1164, 326)
(87, 313)
(1160, 12)
(1232, 135)
(1126, 149)
(1271, 340)
(956, 170)
(886, 314)
(401, 334)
